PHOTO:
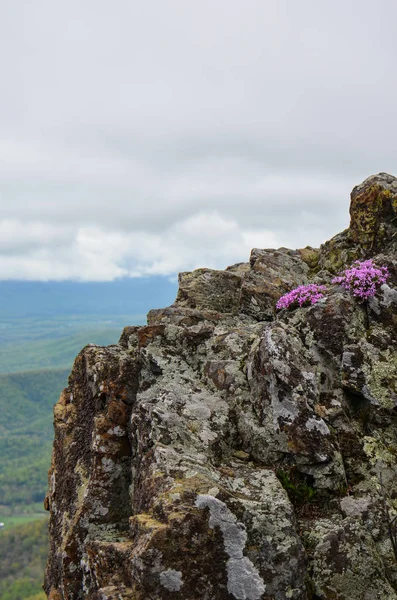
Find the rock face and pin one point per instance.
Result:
(225, 452)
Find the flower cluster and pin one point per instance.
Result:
(303, 295)
(362, 279)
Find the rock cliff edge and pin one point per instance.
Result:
(226, 452)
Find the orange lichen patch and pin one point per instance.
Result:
(64, 413)
(149, 333)
(102, 424)
(216, 371)
(118, 412)
(117, 415)
(54, 595)
(320, 410)
(114, 390)
(227, 471)
(119, 391)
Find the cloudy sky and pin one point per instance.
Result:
(146, 137)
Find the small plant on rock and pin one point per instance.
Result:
(304, 295)
(298, 490)
(362, 279)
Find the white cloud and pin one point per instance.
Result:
(205, 239)
(151, 137)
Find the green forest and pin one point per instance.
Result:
(23, 551)
(43, 326)
(26, 433)
(34, 343)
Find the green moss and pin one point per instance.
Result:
(340, 256)
(298, 490)
(310, 256)
(335, 259)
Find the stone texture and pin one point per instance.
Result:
(226, 452)
(373, 224)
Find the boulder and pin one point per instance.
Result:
(229, 451)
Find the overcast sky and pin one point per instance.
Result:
(149, 137)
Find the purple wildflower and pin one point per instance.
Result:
(362, 279)
(304, 295)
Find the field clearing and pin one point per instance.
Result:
(11, 521)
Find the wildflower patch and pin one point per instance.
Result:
(304, 295)
(362, 279)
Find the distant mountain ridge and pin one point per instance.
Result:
(119, 297)
(45, 324)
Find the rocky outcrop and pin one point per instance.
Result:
(227, 452)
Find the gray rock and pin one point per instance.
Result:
(229, 451)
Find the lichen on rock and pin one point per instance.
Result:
(165, 478)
